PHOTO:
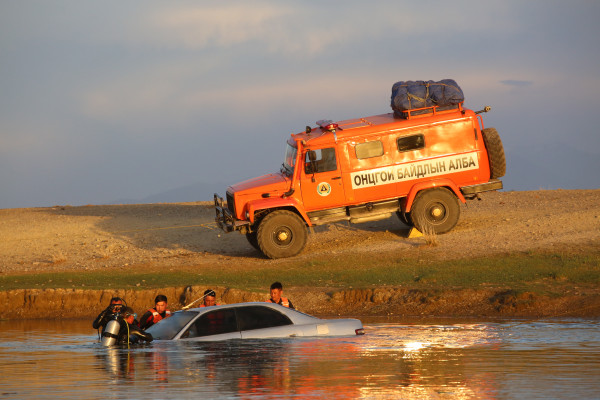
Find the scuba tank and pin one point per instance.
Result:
(111, 332)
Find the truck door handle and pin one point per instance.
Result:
(336, 177)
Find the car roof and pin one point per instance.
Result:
(296, 316)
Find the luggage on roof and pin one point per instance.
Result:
(410, 95)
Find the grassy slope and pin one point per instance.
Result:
(544, 273)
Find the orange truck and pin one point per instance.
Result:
(420, 167)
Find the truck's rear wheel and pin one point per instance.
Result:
(435, 211)
(281, 234)
(404, 218)
(495, 150)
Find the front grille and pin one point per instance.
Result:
(230, 203)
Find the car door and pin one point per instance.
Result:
(321, 180)
(260, 322)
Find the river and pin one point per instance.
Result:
(399, 359)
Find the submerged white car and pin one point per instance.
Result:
(248, 321)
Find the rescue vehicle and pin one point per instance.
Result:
(420, 167)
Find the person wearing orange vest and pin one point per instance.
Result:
(209, 298)
(155, 314)
(276, 291)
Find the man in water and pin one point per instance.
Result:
(129, 332)
(153, 315)
(276, 292)
(210, 298)
(116, 306)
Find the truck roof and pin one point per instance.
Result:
(328, 131)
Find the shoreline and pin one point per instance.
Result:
(527, 254)
(394, 303)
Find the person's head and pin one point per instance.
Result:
(276, 290)
(160, 303)
(209, 297)
(116, 304)
(129, 315)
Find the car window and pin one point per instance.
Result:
(257, 317)
(213, 323)
(369, 149)
(413, 142)
(166, 329)
(324, 161)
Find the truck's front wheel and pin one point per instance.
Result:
(281, 234)
(253, 239)
(435, 211)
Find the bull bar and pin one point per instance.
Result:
(224, 217)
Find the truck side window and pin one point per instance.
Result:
(324, 161)
(369, 149)
(414, 142)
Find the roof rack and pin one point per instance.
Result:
(427, 111)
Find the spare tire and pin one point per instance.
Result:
(495, 150)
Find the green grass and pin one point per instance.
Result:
(531, 271)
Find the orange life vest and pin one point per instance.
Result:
(282, 302)
(157, 317)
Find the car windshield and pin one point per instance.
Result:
(290, 159)
(166, 329)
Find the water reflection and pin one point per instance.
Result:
(466, 360)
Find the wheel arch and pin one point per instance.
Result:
(438, 183)
(270, 205)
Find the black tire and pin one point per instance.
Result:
(495, 150)
(253, 239)
(282, 234)
(435, 211)
(404, 218)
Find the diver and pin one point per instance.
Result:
(129, 331)
(115, 306)
(118, 325)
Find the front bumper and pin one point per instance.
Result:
(225, 219)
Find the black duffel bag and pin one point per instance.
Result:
(410, 95)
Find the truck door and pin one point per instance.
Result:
(321, 180)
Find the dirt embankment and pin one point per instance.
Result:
(182, 236)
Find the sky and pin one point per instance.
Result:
(169, 101)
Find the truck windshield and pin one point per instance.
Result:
(290, 159)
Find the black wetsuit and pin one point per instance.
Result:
(133, 334)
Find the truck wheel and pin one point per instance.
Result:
(493, 144)
(253, 239)
(281, 234)
(435, 211)
(404, 218)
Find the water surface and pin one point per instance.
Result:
(508, 359)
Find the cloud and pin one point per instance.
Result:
(516, 83)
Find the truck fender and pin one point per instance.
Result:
(428, 185)
(275, 203)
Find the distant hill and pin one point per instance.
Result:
(199, 191)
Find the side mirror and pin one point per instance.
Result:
(312, 156)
